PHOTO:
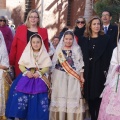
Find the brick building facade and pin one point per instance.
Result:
(54, 14)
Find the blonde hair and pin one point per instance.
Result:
(78, 18)
(88, 31)
(27, 19)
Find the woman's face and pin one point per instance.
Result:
(33, 19)
(68, 40)
(2, 22)
(95, 26)
(80, 22)
(36, 44)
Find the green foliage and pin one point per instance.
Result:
(111, 5)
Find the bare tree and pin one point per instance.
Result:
(88, 9)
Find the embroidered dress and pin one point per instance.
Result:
(28, 97)
(110, 105)
(29, 104)
(66, 98)
(68, 56)
(4, 86)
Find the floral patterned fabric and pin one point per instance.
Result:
(27, 106)
(110, 105)
(68, 57)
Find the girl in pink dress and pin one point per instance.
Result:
(110, 105)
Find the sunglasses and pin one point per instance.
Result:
(82, 22)
(2, 20)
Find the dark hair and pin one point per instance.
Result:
(64, 29)
(56, 37)
(108, 12)
(49, 44)
(69, 33)
(3, 18)
(88, 31)
(35, 36)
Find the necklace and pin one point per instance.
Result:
(35, 55)
(67, 52)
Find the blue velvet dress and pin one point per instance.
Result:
(27, 103)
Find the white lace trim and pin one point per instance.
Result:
(64, 104)
(69, 106)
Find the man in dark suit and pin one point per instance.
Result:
(109, 29)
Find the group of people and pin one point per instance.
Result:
(80, 80)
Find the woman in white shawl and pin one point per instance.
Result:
(110, 105)
(4, 86)
(67, 80)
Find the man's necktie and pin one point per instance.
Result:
(105, 30)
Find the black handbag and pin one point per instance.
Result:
(11, 72)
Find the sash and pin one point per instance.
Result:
(67, 67)
(44, 78)
(47, 82)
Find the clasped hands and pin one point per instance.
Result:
(29, 74)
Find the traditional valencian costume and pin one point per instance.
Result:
(66, 98)
(28, 97)
(110, 105)
(4, 86)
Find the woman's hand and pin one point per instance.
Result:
(3, 67)
(36, 75)
(29, 74)
(82, 79)
(82, 82)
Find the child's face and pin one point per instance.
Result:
(36, 44)
(68, 40)
(55, 41)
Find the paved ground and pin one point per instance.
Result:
(85, 119)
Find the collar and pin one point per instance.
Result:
(106, 26)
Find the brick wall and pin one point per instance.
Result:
(53, 13)
(2, 4)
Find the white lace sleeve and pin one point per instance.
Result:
(4, 60)
(78, 59)
(114, 59)
(3, 52)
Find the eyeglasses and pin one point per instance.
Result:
(82, 22)
(106, 15)
(2, 20)
(33, 17)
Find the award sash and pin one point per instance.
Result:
(67, 67)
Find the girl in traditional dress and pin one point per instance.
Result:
(110, 105)
(4, 86)
(28, 97)
(67, 80)
(22, 37)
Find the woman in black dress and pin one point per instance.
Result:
(96, 56)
